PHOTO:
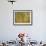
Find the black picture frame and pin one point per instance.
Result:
(31, 17)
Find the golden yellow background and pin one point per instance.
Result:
(22, 17)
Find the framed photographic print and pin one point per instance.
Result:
(22, 17)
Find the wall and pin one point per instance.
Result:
(38, 29)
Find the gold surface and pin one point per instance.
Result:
(22, 17)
